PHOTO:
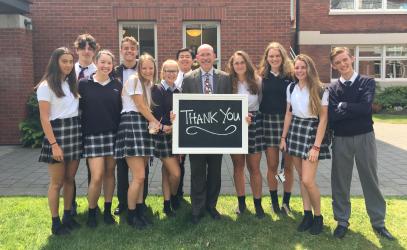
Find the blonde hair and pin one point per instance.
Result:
(250, 73)
(339, 50)
(143, 58)
(165, 64)
(286, 67)
(313, 82)
(104, 52)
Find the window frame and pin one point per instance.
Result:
(357, 10)
(138, 23)
(218, 39)
(383, 58)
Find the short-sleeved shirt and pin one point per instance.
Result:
(60, 107)
(253, 100)
(299, 101)
(131, 88)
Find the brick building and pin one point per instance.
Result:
(374, 29)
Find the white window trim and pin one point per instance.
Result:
(356, 11)
(184, 37)
(133, 23)
(382, 59)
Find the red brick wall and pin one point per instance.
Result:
(16, 81)
(247, 25)
(315, 16)
(320, 55)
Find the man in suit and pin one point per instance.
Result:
(128, 52)
(206, 168)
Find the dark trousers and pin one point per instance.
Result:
(123, 182)
(180, 191)
(205, 181)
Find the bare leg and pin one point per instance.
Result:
(238, 173)
(309, 171)
(56, 173)
(109, 179)
(71, 168)
(253, 165)
(137, 167)
(97, 169)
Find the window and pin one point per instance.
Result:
(196, 33)
(144, 32)
(361, 5)
(383, 62)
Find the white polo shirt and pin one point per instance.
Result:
(299, 101)
(130, 89)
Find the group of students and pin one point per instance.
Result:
(123, 116)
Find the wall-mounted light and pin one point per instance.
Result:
(28, 24)
(194, 32)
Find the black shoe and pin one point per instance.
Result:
(382, 231)
(175, 203)
(340, 231)
(145, 219)
(195, 219)
(108, 219)
(169, 212)
(70, 223)
(120, 209)
(136, 222)
(276, 208)
(214, 213)
(305, 224)
(285, 209)
(59, 229)
(317, 225)
(74, 208)
(91, 223)
(240, 210)
(259, 212)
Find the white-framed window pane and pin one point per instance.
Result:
(396, 50)
(209, 36)
(396, 68)
(342, 4)
(370, 4)
(370, 51)
(396, 4)
(370, 68)
(144, 32)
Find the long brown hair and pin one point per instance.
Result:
(53, 74)
(250, 73)
(314, 84)
(143, 58)
(286, 67)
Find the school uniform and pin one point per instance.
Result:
(273, 107)
(84, 71)
(161, 95)
(256, 126)
(100, 104)
(303, 128)
(354, 142)
(133, 138)
(63, 116)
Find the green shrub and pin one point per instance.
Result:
(30, 127)
(391, 97)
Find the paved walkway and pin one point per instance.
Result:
(22, 174)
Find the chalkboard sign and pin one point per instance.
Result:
(210, 124)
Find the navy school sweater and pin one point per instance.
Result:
(356, 119)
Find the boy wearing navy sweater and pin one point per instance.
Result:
(350, 117)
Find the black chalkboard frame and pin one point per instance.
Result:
(177, 149)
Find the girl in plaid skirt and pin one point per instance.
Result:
(161, 107)
(100, 104)
(277, 72)
(245, 81)
(304, 128)
(134, 140)
(58, 101)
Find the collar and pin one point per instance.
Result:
(133, 67)
(166, 86)
(274, 74)
(352, 79)
(211, 71)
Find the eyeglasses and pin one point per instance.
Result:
(171, 71)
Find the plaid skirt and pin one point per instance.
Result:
(99, 145)
(273, 129)
(256, 133)
(133, 138)
(301, 138)
(163, 145)
(68, 135)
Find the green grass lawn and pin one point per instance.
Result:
(25, 224)
(389, 118)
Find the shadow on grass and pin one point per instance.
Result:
(231, 232)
